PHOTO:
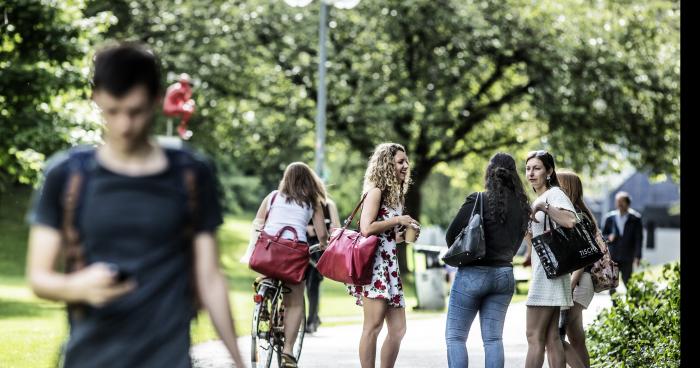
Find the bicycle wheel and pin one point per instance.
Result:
(261, 348)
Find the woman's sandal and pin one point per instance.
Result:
(288, 361)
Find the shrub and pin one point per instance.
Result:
(643, 328)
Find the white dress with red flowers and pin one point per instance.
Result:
(386, 280)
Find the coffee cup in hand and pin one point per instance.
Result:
(411, 233)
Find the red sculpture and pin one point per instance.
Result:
(178, 102)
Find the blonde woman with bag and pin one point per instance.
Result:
(386, 183)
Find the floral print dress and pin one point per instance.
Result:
(386, 281)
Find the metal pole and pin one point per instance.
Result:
(321, 100)
(606, 201)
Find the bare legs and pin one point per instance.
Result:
(376, 311)
(543, 330)
(576, 334)
(572, 358)
(396, 325)
(293, 314)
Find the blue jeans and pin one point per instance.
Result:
(487, 290)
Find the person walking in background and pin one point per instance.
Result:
(486, 286)
(546, 296)
(385, 184)
(571, 320)
(623, 229)
(313, 277)
(300, 198)
(137, 223)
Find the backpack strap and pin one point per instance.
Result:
(80, 164)
(74, 257)
(190, 179)
(184, 163)
(81, 161)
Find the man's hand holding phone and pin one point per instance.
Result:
(101, 283)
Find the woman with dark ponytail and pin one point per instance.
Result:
(486, 286)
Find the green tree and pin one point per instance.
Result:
(617, 92)
(249, 116)
(448, 79)
(451, 79)
(43, 79)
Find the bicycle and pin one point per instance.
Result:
(268, 320)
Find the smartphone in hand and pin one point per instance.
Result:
(121, 274)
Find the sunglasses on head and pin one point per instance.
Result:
(538, 153)
(396, 148)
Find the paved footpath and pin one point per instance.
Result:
(423, 345)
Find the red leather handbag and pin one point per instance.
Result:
(278, 258)
(349, 257)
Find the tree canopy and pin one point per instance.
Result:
(454, 81)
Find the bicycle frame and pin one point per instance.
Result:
(269, 294)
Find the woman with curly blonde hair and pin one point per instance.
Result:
(386, 182)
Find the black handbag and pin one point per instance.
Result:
(562, 250)
(470, 244)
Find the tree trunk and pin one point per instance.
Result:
(412, 206)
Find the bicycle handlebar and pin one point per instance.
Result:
(315, 248)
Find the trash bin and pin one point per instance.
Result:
(429, 276)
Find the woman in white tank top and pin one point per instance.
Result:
(297, 200)
(287, 212)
